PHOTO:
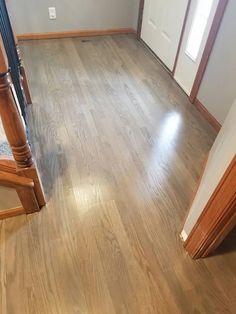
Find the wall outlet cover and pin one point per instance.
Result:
(52, 13)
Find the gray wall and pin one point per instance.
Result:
(31, 16)
(218, 88)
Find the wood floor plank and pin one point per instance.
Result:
(120, 150)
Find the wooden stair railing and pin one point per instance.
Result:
(23, 169)
(14, 58)
(24, 80)
(25, 190)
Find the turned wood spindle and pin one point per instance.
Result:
(24, 80)
(11, 119)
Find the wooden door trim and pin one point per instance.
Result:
(217, 219)
(181, 36)
(140, 19)
(207, 115)
(208, 48)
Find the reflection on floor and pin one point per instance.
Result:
(120, 150)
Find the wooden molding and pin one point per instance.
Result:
(217, 219)
(12, 212)
(13, 180)
(140, 18)
(181, 36)
(207, 115)
(32, 173)
(208, 48)
(77, 33)
(7, 165)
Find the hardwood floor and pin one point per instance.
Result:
(120, 150)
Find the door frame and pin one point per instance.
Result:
(139, 31)
(181, 37)
(140, 19)
(208, 47)
(217, 219)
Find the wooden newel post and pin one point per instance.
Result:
(24, 80)
(14, 129)
(11, 118)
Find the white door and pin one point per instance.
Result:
(162, 25)
(197, 29)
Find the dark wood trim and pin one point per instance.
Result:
(181, 36)
(140, 18)
(77, 33)
(217, 219)
(208, 48)
(207, 115)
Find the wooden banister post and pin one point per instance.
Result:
(14, 129)
(11, 118)
(24, 79)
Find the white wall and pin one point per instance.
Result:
(31, 16)
(221, 155)
(218, 88)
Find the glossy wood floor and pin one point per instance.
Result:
(120, 150)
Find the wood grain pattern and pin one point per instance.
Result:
(3, 58)
(11, 180)
(120, 149)
(7, 165)
(12, 212)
